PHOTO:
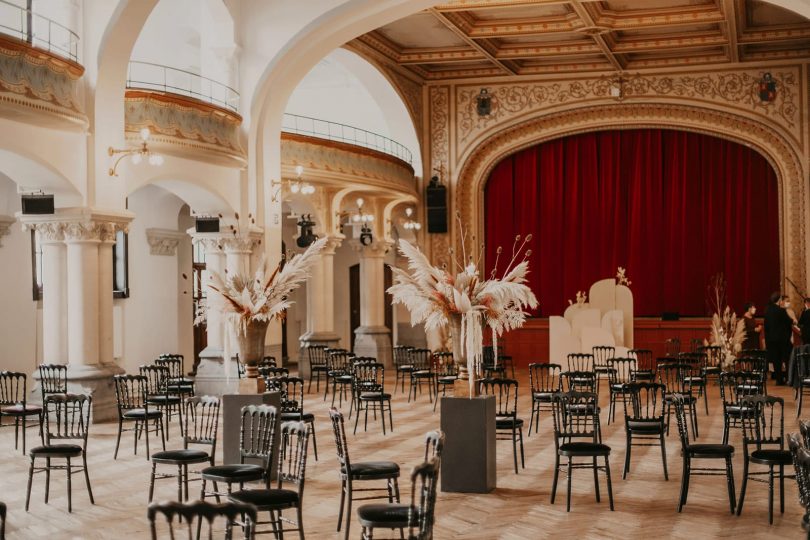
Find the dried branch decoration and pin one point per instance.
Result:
(621, 277)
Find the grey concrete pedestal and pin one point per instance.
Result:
(214, 376)
(231, 422)
(374, 341)
(468, 461)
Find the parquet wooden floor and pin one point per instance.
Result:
(518, 509)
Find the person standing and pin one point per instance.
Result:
(752, 329)
(778, 330)
(804, 322)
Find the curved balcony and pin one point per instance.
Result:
(188, 114)
(38, 31)
(322, 129)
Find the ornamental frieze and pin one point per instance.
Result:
(736, 89)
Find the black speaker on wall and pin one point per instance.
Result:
(37, 203)
(436, 200)
(206, 224)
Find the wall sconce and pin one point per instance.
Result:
(483, 102)
(411, 224)
(767, 88)
(617, 88)
(295, 186)
(138, 154)
(366, 237)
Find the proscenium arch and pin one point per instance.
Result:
(790, 173)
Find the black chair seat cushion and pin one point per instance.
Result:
(710, 450)
(771, 456)
(447, 379)
(735, 410)
(375, 396)
(265, 499)
(694, 380)
(617, 388)
(711, 369)
(344, 379)
(506, 422)
(187, 455)
(141, 413)
(57, 450)
(575, 449)
(294, 416)
(545, 397)
(653, 427)
(163, 400)
(422, 374)
(384, 516)
(406, 367)
(686, 398)
(369, 470)
(318, 367)
(19, 410)
(602, 369)
(233, 473)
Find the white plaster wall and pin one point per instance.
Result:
(149, 318)
(21, 316)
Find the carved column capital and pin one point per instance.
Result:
(5, 227)
(377, 248)
(164, 241)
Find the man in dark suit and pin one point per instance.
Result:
(778, 330)
(804, 322)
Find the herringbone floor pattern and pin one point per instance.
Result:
(518, 509)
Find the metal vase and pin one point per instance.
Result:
(251, 345)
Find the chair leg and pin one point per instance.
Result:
(514, 448)
(627, 456)
(799, 405)
(348, 510)
(118, 439)
(770, 495)
(730, 482)
(343, 488)
(781, 489)
(179, 483)
(522, 456)
(531, 420)
(390, 418)
(609, 484)
(30, 479)
(596, 480)
(152, 482)
(568, 495)
(69, 487)
(556, 477)
(664, 454)
(741, 500)
(47, 479)
(684, 481)
(87, 479)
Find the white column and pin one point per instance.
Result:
(321, 294)
(83, 241)
(373, 338)
(214, 264)
(54, 293)
(105, 294)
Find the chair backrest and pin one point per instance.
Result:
(201, 422)
(544, 377)
(578, 380)
(444, 365)
(173, 364)
(157, 378)
(316, 354)
(489, 354)
(130, 392)
(13, 388)
(368, 376)
(67, 417)
(621, 370)
(644, 358)
(714, 354)
(506, 395)
(646, 401)
(341, 445)
(175, 356)
(401, 357)
(421, 512)
(580, 362)
(672, 346)
(678, 400)
(273, 371)
(763, 421)
(257, 431)
(420, 359)
(698, 360)
(52, 379)
(292, 394)
(339, 361)
(801, 464)
(804, 429)
(268, 361)
(754, 364)
(575, 416)
(695, 344)
(735, 385)
(292, 459)
(434, 444)
(601, 355)
(671, 375)
(188, 515)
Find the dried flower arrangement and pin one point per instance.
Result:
(727, 330)
(581, 298)
(621, 277)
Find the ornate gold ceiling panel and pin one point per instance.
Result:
(496, 38)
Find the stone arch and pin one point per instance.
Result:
(780, 153)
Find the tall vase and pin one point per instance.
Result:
(462, 387)
(251, 346)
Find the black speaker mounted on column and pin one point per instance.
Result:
(436, 201)
(37, 203)
(206, 224)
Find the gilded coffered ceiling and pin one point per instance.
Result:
(480, 38)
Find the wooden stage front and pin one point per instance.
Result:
(530, 343)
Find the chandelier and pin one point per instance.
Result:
(411, 224)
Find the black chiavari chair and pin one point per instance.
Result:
(544, 380)
(507, 424)
(130, 395)
(644, 420)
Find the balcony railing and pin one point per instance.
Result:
(38, 31)
(148, 76)
(333, 131)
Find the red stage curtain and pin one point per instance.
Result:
(672, 207)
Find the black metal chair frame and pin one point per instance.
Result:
(339, 372)
(672, 347)
(695, 374)
(130, 394)
(200, 428)
(646, 368)
(701, 451)
(801, 466)
(402, 365)
(369, 388)
(601, 355)
(200, 510)
(577, 434)
(421, 361)
(370, 471)
(316, 355)
(803, 362)
(67, 418)
(761, 428)
(735, 385)
(644, 420)
(292, 406)
(620, 373)
(13, 404)
(52, 379)
(178, 383)
(161, 396)
(544, 380)
(446, 373)
(508, 427)
(673, 376)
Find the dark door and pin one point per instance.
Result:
(388, 300)
(354, 300)
(284, 353)
(200, 334)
